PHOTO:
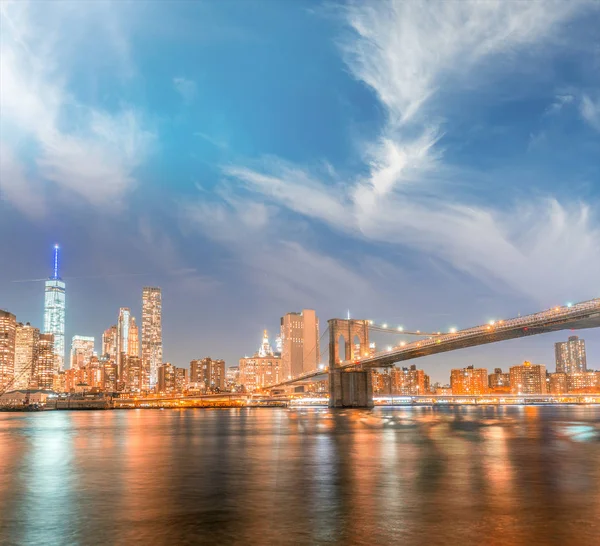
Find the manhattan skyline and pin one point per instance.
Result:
(252, 172)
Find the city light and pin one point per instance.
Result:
(400, 328)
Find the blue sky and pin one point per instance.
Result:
(420, 163)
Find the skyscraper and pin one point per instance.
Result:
(82, 350)
(570, 355)
(300, 342)
(152, 350)
(8, 327)
(54, 312)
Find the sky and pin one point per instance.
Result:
(425, 164)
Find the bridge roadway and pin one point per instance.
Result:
(578, 316)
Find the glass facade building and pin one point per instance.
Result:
(54, 312)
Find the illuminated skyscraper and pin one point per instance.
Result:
(8, 327)
(570, 355)
(152, 350)
(54, 312)
(82, 350)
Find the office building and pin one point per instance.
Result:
(300, 342)
(82, 350)
(26, 354)
(469, 381)
(262, 369)
(54, 312)
(8, 330)
(570, 355)
(528, 378)
(207, 374)
(45, 362)
(152, 349)
(499, 382)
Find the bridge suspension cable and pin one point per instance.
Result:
(399, 330)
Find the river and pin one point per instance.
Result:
(415, 476)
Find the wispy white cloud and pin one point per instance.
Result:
(590, 111)
(186, 88)
(83, 149)
(408, 52)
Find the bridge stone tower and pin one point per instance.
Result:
(349, 388)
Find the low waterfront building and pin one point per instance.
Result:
(499, 382)
(469, 380)
(583, 382)
(528, 378)
(409, 381)
(171, 379)
(558, 383)
(207, 374)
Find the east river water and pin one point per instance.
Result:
(414, 476)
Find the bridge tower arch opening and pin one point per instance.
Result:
(348, 340)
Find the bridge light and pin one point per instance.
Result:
(569, 305)
(389, 348)
(371, 322)
(400, 329)
(418, 331)
(492, 322)
(384, 325)
(321, 366)
(402, 343)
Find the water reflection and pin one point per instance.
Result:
(515, 476)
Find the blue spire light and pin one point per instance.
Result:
(56, 249)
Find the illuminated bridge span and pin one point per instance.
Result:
(349, 377)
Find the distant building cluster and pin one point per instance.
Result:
(571, 377)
